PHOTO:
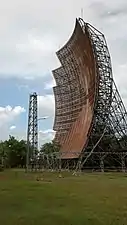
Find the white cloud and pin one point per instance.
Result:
(47, 110)
(46, 106)
(46, 136)
(13, 127)
(49, 85)
(31, 31)
(49, 131)
(43, 135)
(8, 114)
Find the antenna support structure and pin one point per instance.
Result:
(32, 133)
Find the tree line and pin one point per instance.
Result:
(13, 152)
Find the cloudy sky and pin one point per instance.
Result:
(30, 34)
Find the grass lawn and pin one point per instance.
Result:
(89, 199)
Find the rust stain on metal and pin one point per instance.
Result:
(74, 93)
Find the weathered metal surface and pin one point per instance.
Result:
(74, 93)
(90, 115)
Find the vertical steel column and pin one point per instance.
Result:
(32, 132)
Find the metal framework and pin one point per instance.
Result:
(110, 116)
(32, 133)
(99, 161)
(90, 117)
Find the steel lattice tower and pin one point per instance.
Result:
(90, 116)
(32, 132)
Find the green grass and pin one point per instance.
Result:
(89, 199)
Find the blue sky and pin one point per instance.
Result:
(30, 34)
(15, 92)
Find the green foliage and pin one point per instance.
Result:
(13, 153)
(49, 148)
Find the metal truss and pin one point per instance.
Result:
(110, 116)
(32, 132)
(99, 161)
(72, 92)
(107, 121)
(67, 102)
